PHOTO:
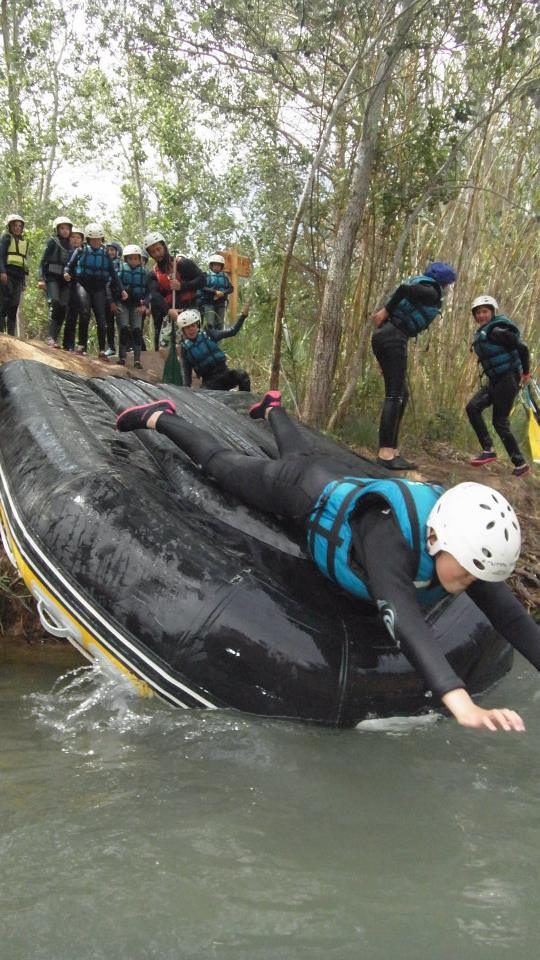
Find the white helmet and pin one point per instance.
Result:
(187, 317)
(77, 230)
(94, 231)
(132, 250)
(479, 528)
(217, 258)
(485, 301)
(152, 238)
(13, 217)
(62, 220)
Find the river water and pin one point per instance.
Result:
(131, 831)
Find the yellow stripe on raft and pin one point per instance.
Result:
(90, 646)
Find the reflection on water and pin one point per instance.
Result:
(131, 830)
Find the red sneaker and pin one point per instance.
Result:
(487, 456)
(270, 399)
(136, 418)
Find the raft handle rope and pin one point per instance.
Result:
(52, 619)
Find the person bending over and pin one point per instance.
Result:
(410, 310)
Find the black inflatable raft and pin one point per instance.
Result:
(134, 556)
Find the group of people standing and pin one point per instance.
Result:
(82, 274)
(502, 355)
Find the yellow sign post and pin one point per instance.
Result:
(236, 266)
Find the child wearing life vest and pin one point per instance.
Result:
(215, 293)
(131, 312)
(410, 310)
(504, 359)
(74, 296)
(51, 276)
(114, 251)
(93, 270)
(178, 274)
(392, 543)
(13, 272)
(200, 352)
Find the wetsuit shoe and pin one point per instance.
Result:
(521, 470)
(396, 463)
(136, 418)
(270, 399)
(487, 456)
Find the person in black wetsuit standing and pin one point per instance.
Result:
(395, 543)
(504, 359)
(410, 310)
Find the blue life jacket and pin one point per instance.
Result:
(330, 537)
(204, 355)
(412, 318)
(93, 264)
(495, 359)
(134, 280)
(218, 281)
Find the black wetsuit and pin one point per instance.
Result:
(389, 345)
(290, 486)
(500, 393)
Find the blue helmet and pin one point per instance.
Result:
(116, 246)
(442, 272)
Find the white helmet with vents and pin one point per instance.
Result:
(152, 238)
(187, 317)
(479, 528)
(132, 250)
(94, 231)
(485, 301)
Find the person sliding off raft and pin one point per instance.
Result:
(200, 352)
(395, 543)
(504, 358)
(411, 309)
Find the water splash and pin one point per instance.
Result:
(399, 726)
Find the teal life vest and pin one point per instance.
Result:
(204, 355)
(329, 537)
(134, 280)
(93, 264)
(495, 359)
(413, 318)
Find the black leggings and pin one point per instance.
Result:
(500, 395)
(390, 348)
(287, 487)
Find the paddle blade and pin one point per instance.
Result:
(534, 437)
(172, 370)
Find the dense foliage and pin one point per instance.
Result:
(339, 144)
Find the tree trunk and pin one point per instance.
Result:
(327, 341)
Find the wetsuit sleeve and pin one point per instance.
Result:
(228, 331)
(388, 564)
(72, 262)
(524, 357)
(509, 617)
(504, 336)
(115, 287)
(44, 262)
(191, 276)
(426, 294)
(4, 244)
